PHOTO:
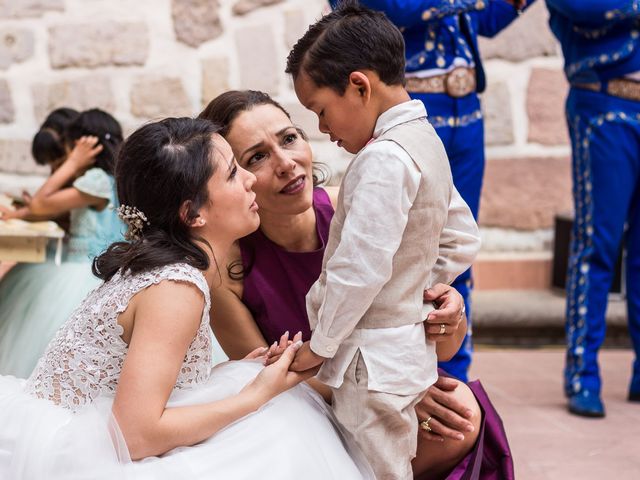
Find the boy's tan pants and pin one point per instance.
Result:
(384, 425)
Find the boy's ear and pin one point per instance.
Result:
(361, 83)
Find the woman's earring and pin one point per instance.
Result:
(201, 223)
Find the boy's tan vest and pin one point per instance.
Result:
(400, 301)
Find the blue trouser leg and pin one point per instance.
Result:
(633, 282)
(605, 135)
(460, 127)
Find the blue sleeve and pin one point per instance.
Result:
(497, 16)
(596, 12)
(408, 13)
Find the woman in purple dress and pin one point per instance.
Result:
(270, 271)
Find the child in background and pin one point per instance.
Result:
(37, 298)
(387, 240)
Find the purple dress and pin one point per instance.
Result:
(275, 283)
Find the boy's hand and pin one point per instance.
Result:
(305, 359)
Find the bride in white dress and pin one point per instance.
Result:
(126, 389)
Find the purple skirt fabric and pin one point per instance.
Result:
(491, 457)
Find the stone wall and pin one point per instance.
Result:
(151, 58)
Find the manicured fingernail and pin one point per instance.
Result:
(469, 428)
(286, 334)
(297, 345)
(459, 437)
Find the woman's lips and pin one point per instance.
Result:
(294, 186)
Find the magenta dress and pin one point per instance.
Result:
(275, 283)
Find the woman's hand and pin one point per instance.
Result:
(276, 378)
(449, 313)
(84, 152)
(448, 417)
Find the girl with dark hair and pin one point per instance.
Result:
(37, 298)
(129, 376)
(48, 145)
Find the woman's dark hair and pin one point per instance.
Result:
(160, 167)
(350, 38)
(226, 107)
(97, 123)
(48, 143)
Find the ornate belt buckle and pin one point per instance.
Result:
(460, 82)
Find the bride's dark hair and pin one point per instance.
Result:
(161, 167)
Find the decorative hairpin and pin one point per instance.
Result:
(135, 220)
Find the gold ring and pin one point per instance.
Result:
(425, 425)
(442, 329)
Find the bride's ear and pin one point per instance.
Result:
(189, 217)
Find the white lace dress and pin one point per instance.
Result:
(58, 423)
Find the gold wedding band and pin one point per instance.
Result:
(442, 329)
(425, 425)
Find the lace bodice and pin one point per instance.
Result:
(85, 358)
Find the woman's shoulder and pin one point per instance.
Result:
(175, 272)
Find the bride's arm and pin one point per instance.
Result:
(165, 320)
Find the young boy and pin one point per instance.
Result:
(366, 310)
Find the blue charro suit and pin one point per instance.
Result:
(435, 33)
(600, 42)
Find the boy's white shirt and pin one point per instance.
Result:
(398, 359)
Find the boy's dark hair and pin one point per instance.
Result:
(100, 124)
(350, 38)
(48, 143)
(161, 166)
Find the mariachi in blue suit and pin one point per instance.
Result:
(444, 70)
(601, 45)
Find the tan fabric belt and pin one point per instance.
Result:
(459, 82)
(618, 87)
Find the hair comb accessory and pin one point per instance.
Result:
(135, 220)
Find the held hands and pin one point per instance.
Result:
(305, 358)
(449, 313)
(84, 152)
(277, 377)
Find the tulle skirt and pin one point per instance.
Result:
(35, 300)
(293, 436)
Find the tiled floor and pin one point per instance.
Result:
(549, 443)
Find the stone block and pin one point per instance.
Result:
(7, 111)
(527, 37)
(525, 193)
(215, 78)
(15, 157)
(498, 120)
(258, 60)
(242, 7)
(305, 119)
(546, 96)
(196, 21)
(155, 97)
(80, 93)
(28, 8)
(16, 45)
(96, 44)
(295, 25)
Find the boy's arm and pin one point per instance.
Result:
(459, 242)
(378, 192)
